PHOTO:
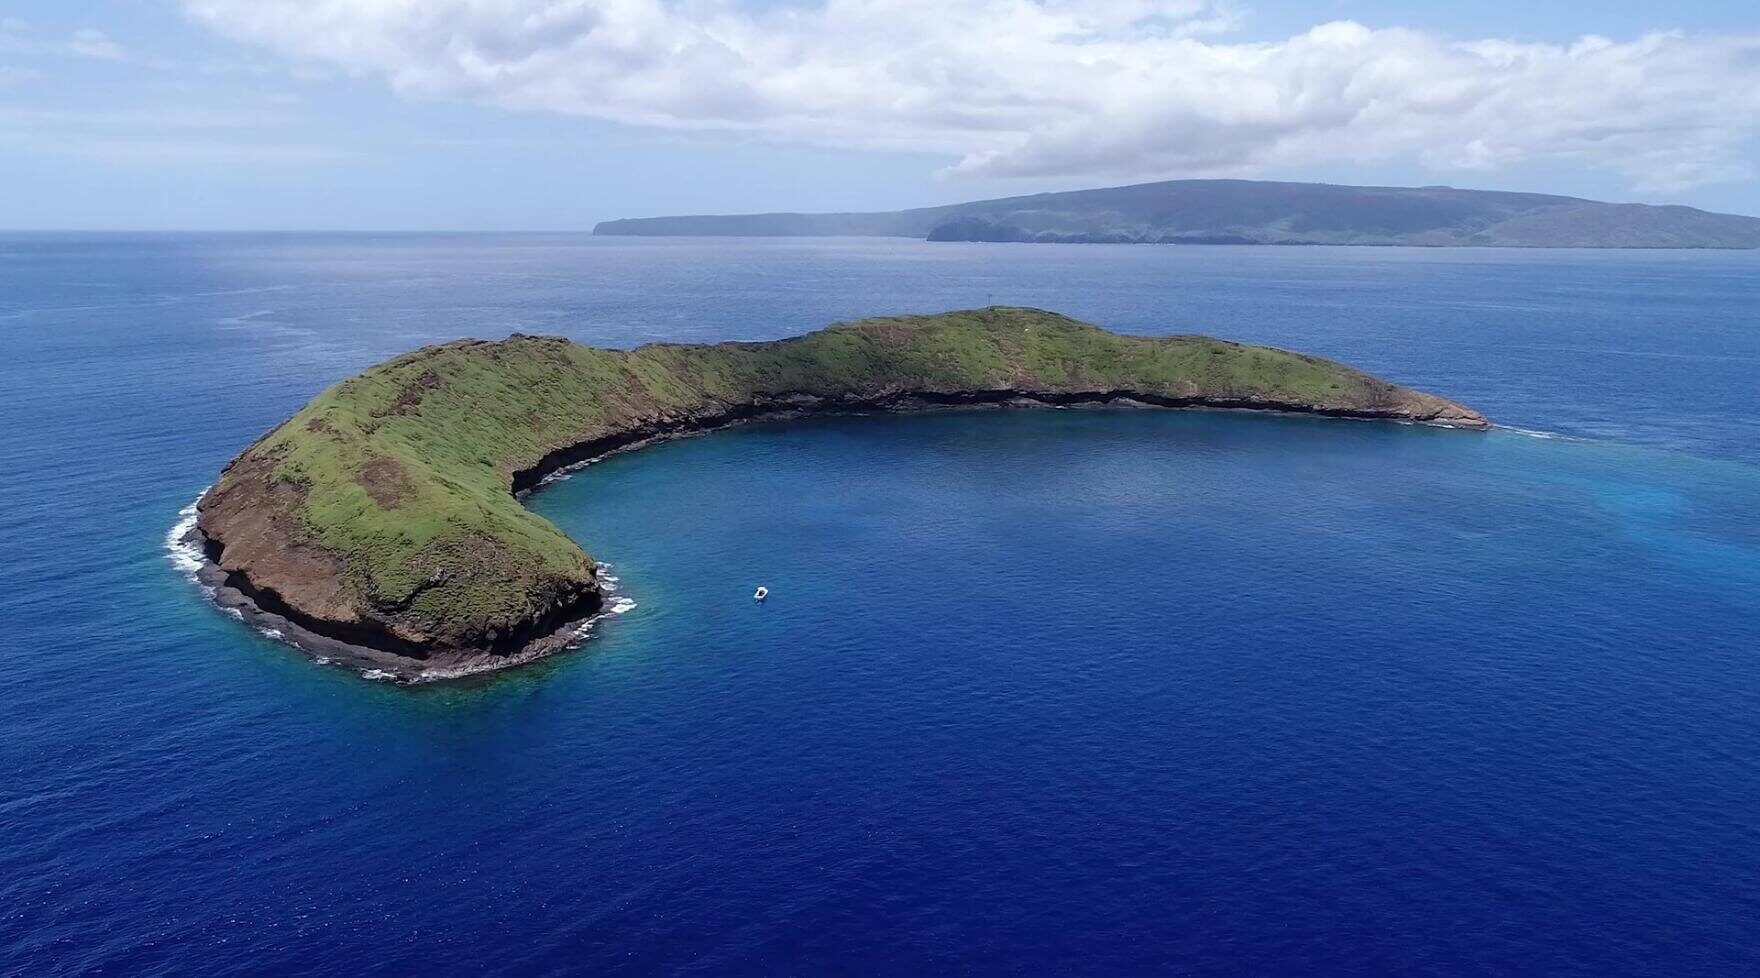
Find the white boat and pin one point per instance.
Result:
(761, 593)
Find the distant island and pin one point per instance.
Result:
(380, 525)
(1257, 212)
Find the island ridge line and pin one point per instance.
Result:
(380, 523)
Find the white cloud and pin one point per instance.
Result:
(132, 152)
(1091, 88)
(267, 116)
(14, 75)
(244, 134)
(90, 43)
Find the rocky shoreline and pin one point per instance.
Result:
(380, 526)
(371, 662)
(797, 406)
(231, 593)
(234, 593)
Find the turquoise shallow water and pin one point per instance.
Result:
(1077, 692)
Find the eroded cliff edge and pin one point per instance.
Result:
(382, 520)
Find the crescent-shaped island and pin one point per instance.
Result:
(381, 525)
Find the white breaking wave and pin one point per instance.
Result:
(608, 585)
(184, 553)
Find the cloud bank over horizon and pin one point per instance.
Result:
(1054, 88)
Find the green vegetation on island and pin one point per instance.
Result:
(383, 513)
(1258, 212)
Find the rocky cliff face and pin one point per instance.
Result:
(380, 521)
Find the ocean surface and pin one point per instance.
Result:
(1035, 693)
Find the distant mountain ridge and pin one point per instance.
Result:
(1257, 212)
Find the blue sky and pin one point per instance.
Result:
(555, 114)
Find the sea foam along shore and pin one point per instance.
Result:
(183, 548)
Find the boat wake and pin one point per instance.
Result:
(1533, 433)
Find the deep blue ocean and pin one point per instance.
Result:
(1036, 693)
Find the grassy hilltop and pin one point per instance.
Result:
(382, 512)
